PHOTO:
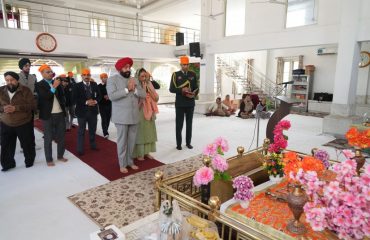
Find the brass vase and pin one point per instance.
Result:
(360, 160)
(296, 200)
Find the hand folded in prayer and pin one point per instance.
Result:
(9, 109)
(131, 85)
(91, 102)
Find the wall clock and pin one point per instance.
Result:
(46, 42)
(365, 59)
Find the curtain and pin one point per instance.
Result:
(279, 70)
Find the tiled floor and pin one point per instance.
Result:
(34, 204)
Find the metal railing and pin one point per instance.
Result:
(64, 20)
(259, 81)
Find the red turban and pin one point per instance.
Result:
(123, 62)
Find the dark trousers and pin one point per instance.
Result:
(9, 140)
(105, 114)
(91, 120)
(182, 112)
(54, 128)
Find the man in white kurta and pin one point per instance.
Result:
(124, 92)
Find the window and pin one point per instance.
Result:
(289, 66)
(98, 27)
(18, 18)
(300, 13)
(235, 17)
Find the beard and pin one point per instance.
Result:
(12, 88)
(126, 74)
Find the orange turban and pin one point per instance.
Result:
(123, 62)
(85, 71)
(44, 67)
(70, 74)
(184, 60)
(103, 75)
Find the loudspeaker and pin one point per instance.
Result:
(179, 39)
(194, 49)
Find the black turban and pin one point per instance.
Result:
(13, 74)
(23, 62)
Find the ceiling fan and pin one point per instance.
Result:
(282, 2)
(211, 16)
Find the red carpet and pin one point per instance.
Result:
(105, 160)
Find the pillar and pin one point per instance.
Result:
(343, 108)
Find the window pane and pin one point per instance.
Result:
(24, 18)
(295, 65)
(235, 17)
(12, 23)
(286, 73)
(94, 27)
(102, 29)
(300, 13)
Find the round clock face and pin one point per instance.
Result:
(365, 59)
(46, 42)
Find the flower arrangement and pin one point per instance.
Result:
(274, 164)
(293, 162)
(343, 205)
(243, 186)
(207, 174)
(323, 156)
(360, 139)
(280, 140)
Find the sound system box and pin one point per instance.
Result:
(179, 39)
(194, 48)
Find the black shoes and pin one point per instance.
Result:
(8, 168)
(179, 148)
(29, 165)
(189, 146)
(80, 153)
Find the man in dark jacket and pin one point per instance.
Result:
(16, 105)
(184, 84)
(105, 105)
(67, 89)
(86, 96)
(52, 112)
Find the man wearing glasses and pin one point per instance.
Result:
(86, 96)
(184, 84)
(51, 103)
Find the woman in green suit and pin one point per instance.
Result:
(146, 137)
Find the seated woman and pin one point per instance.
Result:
(229, 104)
(246, 107)
(218, 109)
(264, 113)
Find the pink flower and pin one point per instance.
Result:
(285, 124)
(348, 153)
(222, 143)
(219, 163)
(203, 176)
(210, 149)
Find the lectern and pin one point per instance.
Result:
(283, 110)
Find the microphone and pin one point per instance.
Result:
(285, 83)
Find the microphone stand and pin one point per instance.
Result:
(259, 109)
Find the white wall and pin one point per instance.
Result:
(324, 65)
(13, 40)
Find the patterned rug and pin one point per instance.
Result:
(127, 199)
